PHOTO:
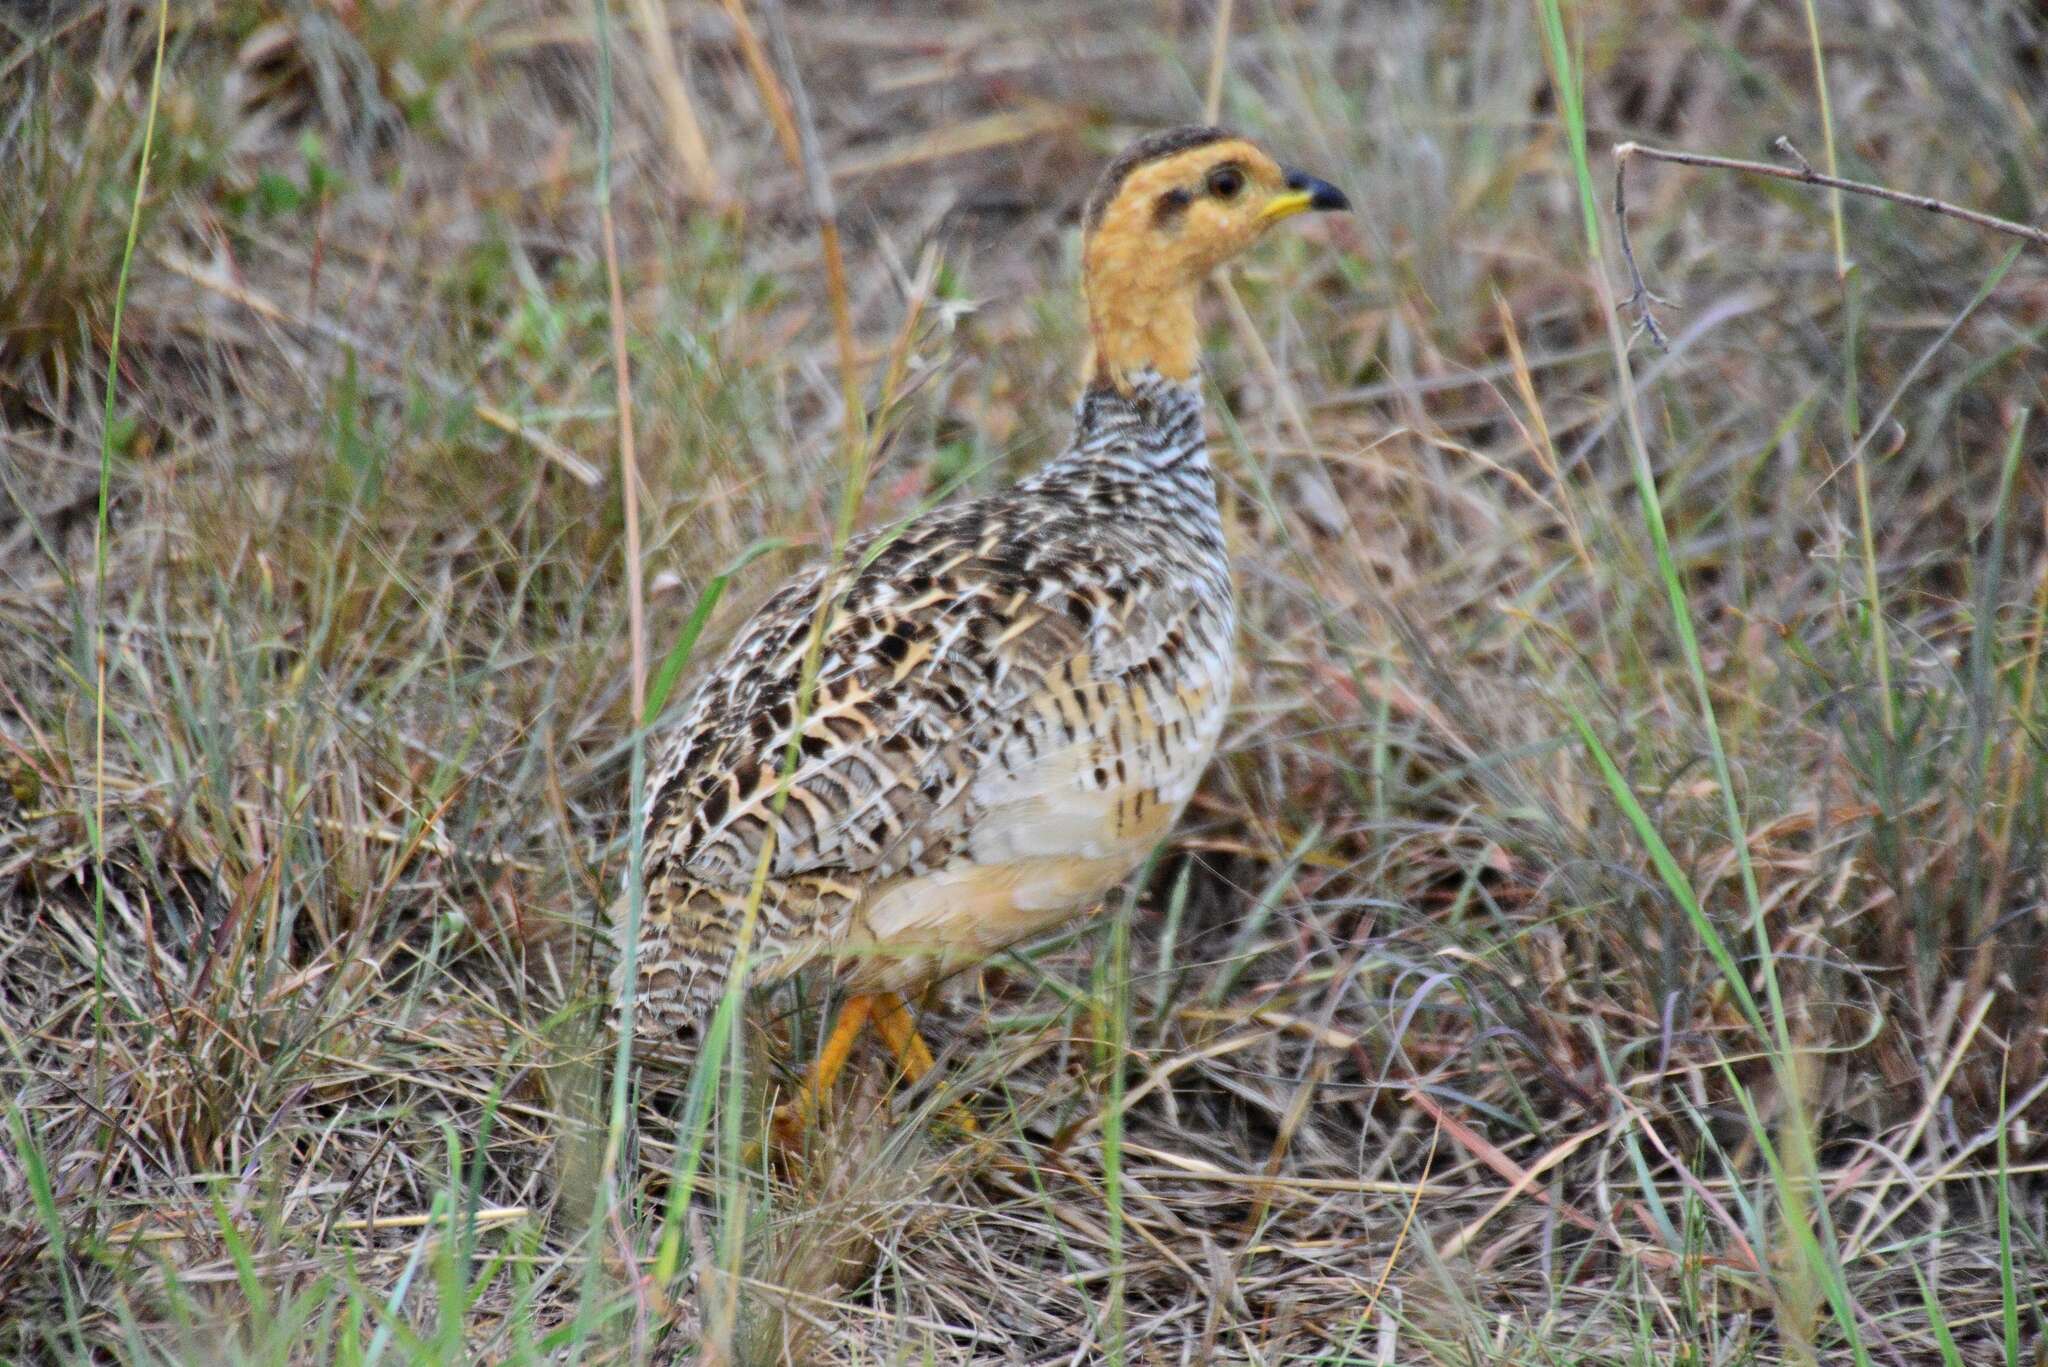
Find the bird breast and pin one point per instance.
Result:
(1087, 778)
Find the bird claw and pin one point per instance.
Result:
(958, 1117)
(786, 1129)
(782, 1141)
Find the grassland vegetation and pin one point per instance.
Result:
(1615, 929)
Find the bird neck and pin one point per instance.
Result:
(1145, 429)
(1141, 313)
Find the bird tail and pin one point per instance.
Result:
(673, 995)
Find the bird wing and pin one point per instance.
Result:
(934, 641)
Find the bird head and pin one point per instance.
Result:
(1170, 210)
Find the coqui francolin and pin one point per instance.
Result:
(1012, 697)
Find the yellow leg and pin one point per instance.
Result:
(790, 1120)
(891, 1019)
(899, 1032)
(913, 1055)
(838, 1047)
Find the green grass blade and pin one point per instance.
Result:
(1661, 859)
(1937, 1322)
(678, 657)
(1814, 1257)
(36, 1170)
(393, 1314)
(692, 1132)
(97, 828)
(2008, 1280)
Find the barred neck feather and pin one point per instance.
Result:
(1147, 432)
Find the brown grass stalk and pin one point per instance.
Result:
(686, 132)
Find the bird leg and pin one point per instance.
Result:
(913, 1055)
(838, 1047)
(790, 1119)
(899, 1032)
(891, 1019)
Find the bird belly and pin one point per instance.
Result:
(1048, 838)
(925, 928)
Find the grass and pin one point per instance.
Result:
(1613, 930)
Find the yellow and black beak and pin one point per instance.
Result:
(1303, 193)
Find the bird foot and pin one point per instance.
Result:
(958, 1118)
(786, 1128)
(783, 1140)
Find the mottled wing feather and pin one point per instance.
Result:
(910, 670)
(1013, 698)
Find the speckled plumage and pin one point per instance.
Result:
(1015, 697)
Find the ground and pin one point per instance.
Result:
(1614, 929)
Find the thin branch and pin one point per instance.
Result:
(1806, 175)
(1784, 144)
(1640, 298)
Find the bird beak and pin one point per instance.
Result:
(1303, 193)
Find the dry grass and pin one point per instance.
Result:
(1406, 1049)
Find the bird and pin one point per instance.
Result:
(970, 727)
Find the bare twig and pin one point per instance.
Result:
(1640, 298)
(1806, 175)
(1784, 144)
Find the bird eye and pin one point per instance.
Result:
(1225, 182)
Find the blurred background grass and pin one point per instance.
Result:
(1406, 1049)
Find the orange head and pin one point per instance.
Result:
(1170, 210)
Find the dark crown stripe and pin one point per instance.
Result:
(1147, 149)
